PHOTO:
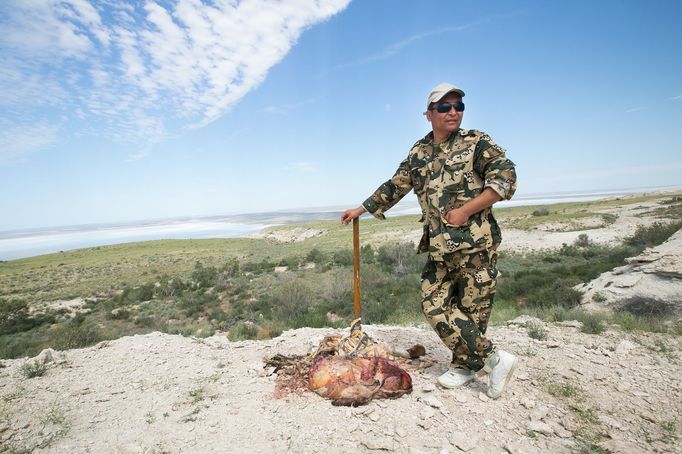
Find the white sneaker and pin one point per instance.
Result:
(455, 377)
(501, 366)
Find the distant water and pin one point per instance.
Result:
(17, 244)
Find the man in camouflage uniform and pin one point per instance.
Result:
(457, 175)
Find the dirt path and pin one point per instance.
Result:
(165, 393)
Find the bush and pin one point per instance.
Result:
(367, 254)
(582, 241)
(204, 277)
(343, 258)
(194, 303)
(242, 331)
(291, 299)
(535, 330)
(14, 317)
(652, 235)
(541, 212)
(400, 258)
(316, 256)
(74, 334)
(33, 368)
(170, 287)
(592, 323)
(136, 295)
(643, 306)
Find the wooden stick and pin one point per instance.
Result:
(356, 266)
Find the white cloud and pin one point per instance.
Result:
(142, 69)
(676, 98)
(634, 109)
(20, 141)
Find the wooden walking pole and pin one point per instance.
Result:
(356, 266)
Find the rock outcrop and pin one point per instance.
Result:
(650, 283)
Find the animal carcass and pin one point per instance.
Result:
(356, 380)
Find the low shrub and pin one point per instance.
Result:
(242, 331)
(74, 334)
(643, 306)
(653, 235)
(15, 318)
(33, 368)
(204, 277)
(135, 295)
(535, 330)
(592, 323)
(541, 212)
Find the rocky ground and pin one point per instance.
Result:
(654, 274)
(163, 393)
(573, 392)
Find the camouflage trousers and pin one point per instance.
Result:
(457, 297)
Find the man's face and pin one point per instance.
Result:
(445, 123)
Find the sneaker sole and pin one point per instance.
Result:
(506, 380)
(453, 387)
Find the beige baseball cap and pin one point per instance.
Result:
(441, 90)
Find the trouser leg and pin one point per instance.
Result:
(457, 297)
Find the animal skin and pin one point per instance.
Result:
(353, 381)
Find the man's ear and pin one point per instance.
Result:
(427, 114)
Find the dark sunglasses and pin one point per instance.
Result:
(444, 107)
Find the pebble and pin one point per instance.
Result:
(483, 397)
(540, 427)
(461, 397)
(427, 413)
(374, 443)
(539, 413)
(464, 442)
(431, 401)
(429, 387)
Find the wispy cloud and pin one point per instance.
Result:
(141, 69)
(676, 98)
(302, 167)
(285, 109)
(395, 48)
(634, 109)
(17, 142)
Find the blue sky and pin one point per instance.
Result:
(113, 111)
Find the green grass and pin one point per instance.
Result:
(200, 287)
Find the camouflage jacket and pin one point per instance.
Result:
(445, 177)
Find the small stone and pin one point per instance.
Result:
(571, 324)
(429, 387)
(401, 432)
(374, 443)
(427, 413)
(488, 422)
(624, 347)
(46, 356)
(553, 344)
(374, 417)
(464, 442)
(528, 404)
(431, 401)
(483, 397)
(461, 397)
(539, 413)
(540, 427)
